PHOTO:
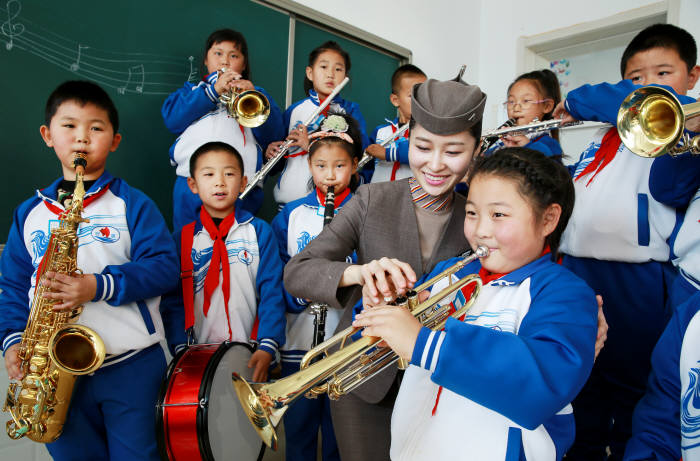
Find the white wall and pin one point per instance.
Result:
(442, 34)
(508, 20)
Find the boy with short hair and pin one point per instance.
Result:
(127, 260)
(618, 239)
(392, 161)
(228, 240)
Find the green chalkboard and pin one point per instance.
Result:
(141, 51)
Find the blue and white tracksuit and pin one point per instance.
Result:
(617, 240)
(396, 154)
(675, 181)
(666, 421)
(194, 113)
(295, 226)
(295, 180)
(508, 371)
(541, 142)
(127, 247)
(255, 285)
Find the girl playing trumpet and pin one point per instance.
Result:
(497, 384)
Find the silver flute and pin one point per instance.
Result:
(260, 175)
(367, 157)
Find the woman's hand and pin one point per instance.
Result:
(386, 277)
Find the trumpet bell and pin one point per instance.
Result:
(258, 415)
(250, 108)
(650, 121)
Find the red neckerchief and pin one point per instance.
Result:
(87, 201)
(467, 290)
(604, 155)
(219, 259)
(242, 132)
(338, 198)
(396, 165)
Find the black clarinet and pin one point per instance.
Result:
(319, 310)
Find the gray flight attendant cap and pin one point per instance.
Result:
(448, 107)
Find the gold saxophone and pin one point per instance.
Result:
(53, 350)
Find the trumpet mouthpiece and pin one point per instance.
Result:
(481, 251)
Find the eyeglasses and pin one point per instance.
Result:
(525, 104)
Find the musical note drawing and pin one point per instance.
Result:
(9, 29)
(119, 69)
(139, 86)
(76, 65)
(192, 77)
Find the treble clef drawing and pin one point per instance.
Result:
(12, 30)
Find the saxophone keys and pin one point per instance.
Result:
(37, 364)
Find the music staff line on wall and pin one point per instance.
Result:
(133, 73)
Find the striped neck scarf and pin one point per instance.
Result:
(424, 200)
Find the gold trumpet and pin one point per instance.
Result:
(651, 123)
(250, 108)
(340, 372)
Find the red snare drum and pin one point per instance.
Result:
(198, 415)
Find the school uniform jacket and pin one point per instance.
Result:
(509, 370)
(194, 113)
(295, 180)
(675, 181)
(255, 285)
(666, 422)
(295, 226)
(615, 217)
(379, 221)
(126, 246)
(396, 163)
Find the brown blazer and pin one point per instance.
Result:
(380, 220)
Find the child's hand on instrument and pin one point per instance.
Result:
(376, 151)
(260, 362)
(272, 149)
(515, 141)
(12, 362)
(70, 290)
(560, 112)
(225, 80)
(386, 277)
(602, 327)
(300, 136)
(395, 325)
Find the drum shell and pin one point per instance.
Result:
(181, 420)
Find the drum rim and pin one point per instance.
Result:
(202, 420)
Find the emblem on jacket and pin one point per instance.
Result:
(105, 234)
(39, 243)
(303, 240)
